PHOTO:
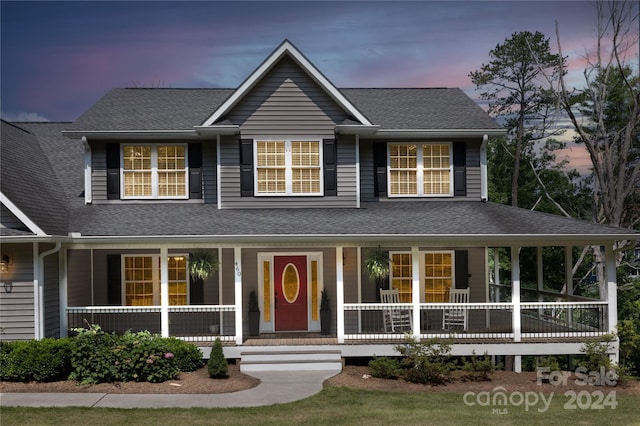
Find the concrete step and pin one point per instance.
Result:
(291, 360)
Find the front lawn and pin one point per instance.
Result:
(335, 405)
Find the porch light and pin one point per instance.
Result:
(4, 264)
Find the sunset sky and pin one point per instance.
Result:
(58, 58)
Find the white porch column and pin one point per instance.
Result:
(515, 293)
(415, 290)
(63, 292)
(540, 272)
(612, 287)
(164, 291)
(237, 262)
(496, 274)
(37, 332)
(340, 294)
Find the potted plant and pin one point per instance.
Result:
(325, 313)
(377, 266)
(202, 264)
(254, 314)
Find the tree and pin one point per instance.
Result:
(515, 91)
(605, 114)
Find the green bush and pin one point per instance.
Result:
(427, 361)
(43, 360)
(385, 368)
(478, 368)
(217, 364)
(98, 357)
(187, 355)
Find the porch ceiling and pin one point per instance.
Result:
(437, 222)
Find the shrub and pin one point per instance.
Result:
(427, 361)
(98, 357)
(187, 356)
(596, 356)
(43, 360)
(385, 368)
(478, 368)
(217, 364)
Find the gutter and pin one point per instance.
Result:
(131, 134)
(87, 171)
(484, 182)
(441, 133)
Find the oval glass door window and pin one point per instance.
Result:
(290, 283)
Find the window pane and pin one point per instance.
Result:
(137, 184)
(437, 182)
(438, 276)
(172, 184)
(437, 174)
(306, 181)
(271, 181)
(138, 280)
(270, 153)
(305, 153)
(136, 157)
(403, 182)
(403, 156)
(171, 158)
(402, 276)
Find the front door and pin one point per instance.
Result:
(290, 292)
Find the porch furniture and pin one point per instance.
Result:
(456, 316)
(395, 319)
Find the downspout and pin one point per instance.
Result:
(484, 184)
(87, 171)
(40, 295)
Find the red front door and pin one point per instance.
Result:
(290, 288)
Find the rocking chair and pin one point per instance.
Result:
(395, 319)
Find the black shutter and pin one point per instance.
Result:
(330, 160)
(195, 170)
(113, 171)
(460, 169)
(114, 281)
(246, 167)
(380, 169)
(462, 269)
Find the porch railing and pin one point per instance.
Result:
(365, 321)
(196, 323)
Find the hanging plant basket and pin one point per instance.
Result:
(377, 265)
(203, 264)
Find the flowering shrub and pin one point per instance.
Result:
(98, 357)
(188, 357)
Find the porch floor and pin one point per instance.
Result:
(290, 339)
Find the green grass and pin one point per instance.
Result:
(340, 406)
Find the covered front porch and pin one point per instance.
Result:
(511, 309)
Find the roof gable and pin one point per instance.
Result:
(285, 49)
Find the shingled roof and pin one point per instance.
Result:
(182, 109)
(28, 181)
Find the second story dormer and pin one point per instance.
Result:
(286, 137)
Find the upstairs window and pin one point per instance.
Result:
(154, 171)
(423, 169)
(288, 167)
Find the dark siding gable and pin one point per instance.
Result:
(330, 167)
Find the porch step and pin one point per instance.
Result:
(291, 360)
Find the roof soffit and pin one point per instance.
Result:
(286, 48)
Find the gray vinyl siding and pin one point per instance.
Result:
(287, 103)
(350, 274)
(16, 306)
(209, 172)
(367, 174)
(51, 296)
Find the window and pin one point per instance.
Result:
(423, 169)
(438, 278)
(437, 275)
(288, 167)
(154, 171)
(142, 280)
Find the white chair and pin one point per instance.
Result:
(395, 319)
(456, 316)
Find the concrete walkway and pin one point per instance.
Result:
(275, 388)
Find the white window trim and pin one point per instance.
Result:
(419, 170)
(423, 270)
(288, 167)
(155, 274)
(154, 172)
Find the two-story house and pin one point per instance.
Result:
(291, 183)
